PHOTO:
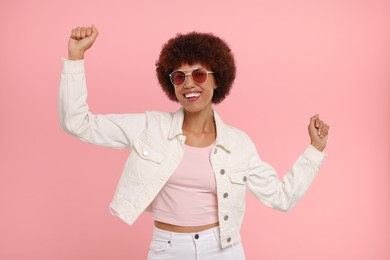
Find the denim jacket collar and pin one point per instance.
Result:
(177, 124)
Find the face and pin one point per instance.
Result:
(193, 96)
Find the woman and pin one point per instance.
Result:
(188, 168)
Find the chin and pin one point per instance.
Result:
(191, 109)
(196, 109)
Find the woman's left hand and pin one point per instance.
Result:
(318, 132)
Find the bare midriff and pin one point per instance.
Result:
(183, 229)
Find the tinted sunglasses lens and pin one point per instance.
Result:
(178, 77)
(199, 75)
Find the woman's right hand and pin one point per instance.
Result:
(82, 39)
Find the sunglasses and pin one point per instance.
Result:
(199, 75)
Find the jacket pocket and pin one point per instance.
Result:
(144, 163)
(239, 178)
(238, 183)
(147, 151)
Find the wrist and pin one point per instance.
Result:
(319, 147)
(75, 55)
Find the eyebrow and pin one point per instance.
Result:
(192, 69)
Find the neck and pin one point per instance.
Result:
(199, 122)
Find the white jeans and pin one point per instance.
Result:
(204, 245)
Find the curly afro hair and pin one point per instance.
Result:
(195, 47)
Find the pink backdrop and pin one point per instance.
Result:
(294, 60)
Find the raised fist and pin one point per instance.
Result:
(81, 39)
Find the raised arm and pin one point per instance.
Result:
(112, 130)
(284, 194)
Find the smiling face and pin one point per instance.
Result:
(195, 97)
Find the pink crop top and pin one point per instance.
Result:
(189, 198)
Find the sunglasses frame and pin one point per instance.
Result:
(189, 74)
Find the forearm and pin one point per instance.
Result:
(284, 194)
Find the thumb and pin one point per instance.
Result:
(313, 122)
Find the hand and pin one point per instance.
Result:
(318, 132)
(82, 39)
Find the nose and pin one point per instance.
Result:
(189, 81)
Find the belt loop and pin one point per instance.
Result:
(216, 233)
(171, 238)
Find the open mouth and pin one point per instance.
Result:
(191, 97)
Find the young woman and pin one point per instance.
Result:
(188, 168)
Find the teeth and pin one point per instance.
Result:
(190, 95)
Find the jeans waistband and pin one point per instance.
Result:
(212, 233)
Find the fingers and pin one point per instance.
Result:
(322, 129)
(318, 131)
(94, 33)
(88, 32)
(80, 33)
(73, 35)
(83, 32)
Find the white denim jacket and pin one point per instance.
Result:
(156, 140)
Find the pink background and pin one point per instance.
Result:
(294, 60)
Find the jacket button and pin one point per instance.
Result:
(225, 195)
(145, 153)
(229, 239)
(226, 217)
(245, 178)
(196, 236)
(222, 172)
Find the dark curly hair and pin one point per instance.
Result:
(195, 47)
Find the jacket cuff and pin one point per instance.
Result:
(315, 156)
(72, 66)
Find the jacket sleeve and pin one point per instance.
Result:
(284, 194)
(111, 130)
